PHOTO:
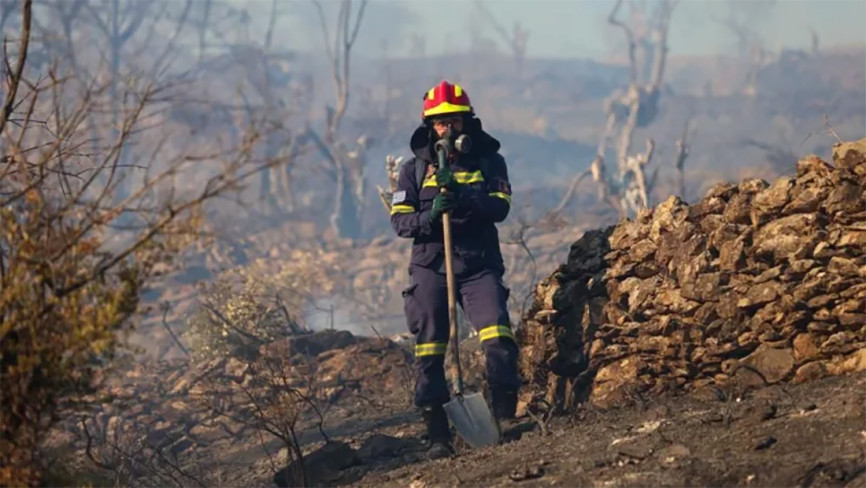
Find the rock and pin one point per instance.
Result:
(807, 200)
(764, 442)
(236, 369)
(810, 372)
(672, 301)
(667, 216)
(633, 448)
(752, 185)
(767, 412)
(851, 320)
(673, 452)
(813, 164)
(776, 196)
(723, 191)
(380, 446)
(806, 347)
(766, 275)
(708, 206)
(203, 434)
(845, 198)
(642, 250)
(322, 466)
(800, 267)
(534, 471)
(854, 238)
(850, 155)
(739, 210)
(821, 301)
(774, 364)
(761, 294)
(843, 266)
(311, 344)
(611, 378)
(770, 274)
(731, 254)
(853, 363)
(839, 343)
(791, 235)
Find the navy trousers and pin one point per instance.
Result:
(483, 298)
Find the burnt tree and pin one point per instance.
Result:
(344, 165)
(741, 21)
(516, 40)
(636, 106)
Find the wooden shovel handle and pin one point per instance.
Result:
(456, 371)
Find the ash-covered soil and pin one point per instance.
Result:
(811, 434)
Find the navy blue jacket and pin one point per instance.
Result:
(484, 200)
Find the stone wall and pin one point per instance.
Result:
(767, 275)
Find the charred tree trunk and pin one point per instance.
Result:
(346, 217)
(118, 31)
(346, 168)
(517, 40)
(634, 107)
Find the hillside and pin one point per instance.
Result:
(549, 131)
(737, 319)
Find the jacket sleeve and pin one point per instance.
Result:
(406, 218)
(494, 204)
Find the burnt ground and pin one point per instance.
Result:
(811, 434)
(807, 434)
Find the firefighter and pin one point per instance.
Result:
(478, 197)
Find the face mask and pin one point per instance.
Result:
(450, 134)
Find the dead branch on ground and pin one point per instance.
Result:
(120, 448)
(277, 397)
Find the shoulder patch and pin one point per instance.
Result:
(505, 187)
(398, 197)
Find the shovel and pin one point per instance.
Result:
(469, 414)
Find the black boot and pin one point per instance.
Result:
(504, 410)
(504, 404)
(438, 432)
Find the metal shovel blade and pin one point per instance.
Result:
(472, 418)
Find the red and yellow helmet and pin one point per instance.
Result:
(445, 98)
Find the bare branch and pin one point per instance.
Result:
(830, 129)
(269, 35)
(230, 325)
(629, 34)
(682, 153)
(165, 309)
(15, 80)
(660, 33)
(572, 189)
(516, 40)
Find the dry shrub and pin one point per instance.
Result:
(248, 307)
(80, 237)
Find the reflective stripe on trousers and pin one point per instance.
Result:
(484, 300)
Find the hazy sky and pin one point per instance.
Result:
(562, 28)
(574, 28)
